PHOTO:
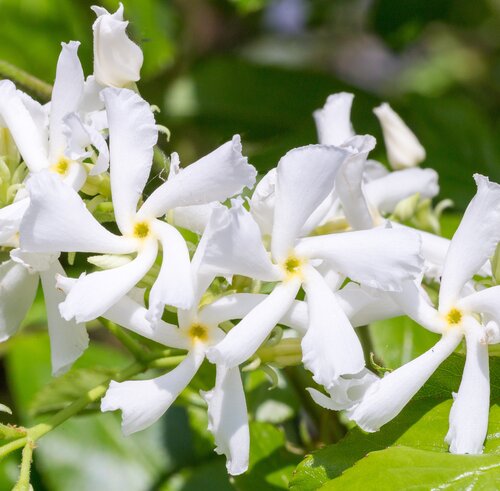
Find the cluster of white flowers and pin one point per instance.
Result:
(322, 245)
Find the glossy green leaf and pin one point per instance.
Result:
(422, 425)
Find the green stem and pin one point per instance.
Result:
(135, 348)
(23, 483)
(94, 394)
(28, 81)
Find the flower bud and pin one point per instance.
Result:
(403, 148)
(117, 60)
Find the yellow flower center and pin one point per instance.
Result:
(292, 266)
(454, 316)
(198, 332)
(61, 167)
(141, 230)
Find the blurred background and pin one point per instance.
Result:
(258, 68)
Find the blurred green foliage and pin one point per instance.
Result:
(218, 67)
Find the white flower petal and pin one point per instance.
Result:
(330, 346)
(234, 246)
(66, 95)
(385, 193)
(10, 219)
(132, 136)
(130, 314)
(79, 137)
(68, 340)
(23, 128)
(386, 398)
(262, 202)
(346, 392)
(381, 258)
(363, 305)
(305, 177)
(95, 293)
(349, 183)
(174, 285)
(58, 221)
(469, 413)
(414, 302)
(194, 218)
(403, 147)
(228, 420)
(485, 301)
(34, 262)
(333, 121)
(117, 60)
(473, 243)
(18, 289)
(143, 402)
(243, 340)
(217, 176)
(238, 305)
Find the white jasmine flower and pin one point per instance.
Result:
(117, 60)
(329, 350)
(58, 220)
(462, 313)
(403, 148)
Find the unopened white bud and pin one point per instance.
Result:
(117, 60)
(403, 148)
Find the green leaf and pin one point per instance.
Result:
(271, 464)
(89, 452)
(399, 340)
(399, 468)
(422, 425)
(61, 391)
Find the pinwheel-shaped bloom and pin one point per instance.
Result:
(380, 258)
(143, 402)
(117, 60)
(41, 140)
(58, 220)
(462, 312)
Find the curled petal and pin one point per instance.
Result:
(386, 398)
(228, 420)
(262, 202)
(347, 391)
(217, 176)
(349, 183)
(469, 413)
(143, 402)
(473, 243)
